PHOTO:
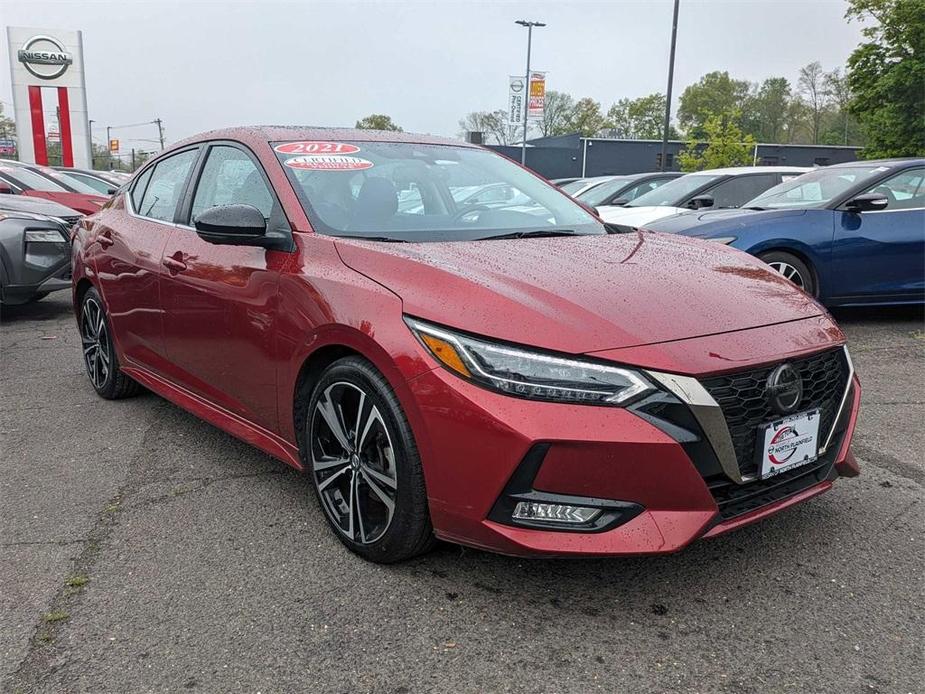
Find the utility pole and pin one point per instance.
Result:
(160, 132)
(109, 146)
(529, 25)
(667, 124)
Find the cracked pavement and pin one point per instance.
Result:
(196, 562)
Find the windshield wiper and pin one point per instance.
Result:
(535, 233)
(386, 239)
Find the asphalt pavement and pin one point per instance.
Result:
(142, 550)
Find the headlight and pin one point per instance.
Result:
(527, 373)
(44, 236)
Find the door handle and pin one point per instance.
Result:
(174, 264)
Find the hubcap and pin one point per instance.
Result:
(353, 462)
(790, 272)
(95, 341)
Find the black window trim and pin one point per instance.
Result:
(129, 203)
(859, 188)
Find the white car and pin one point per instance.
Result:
(714, 188)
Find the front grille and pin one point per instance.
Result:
(71, 220)
(743, 399)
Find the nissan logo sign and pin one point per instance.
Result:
(45, 57)
(785, 389)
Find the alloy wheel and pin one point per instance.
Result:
(789, 272)
(353, 462)
(95, 341)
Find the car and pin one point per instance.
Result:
(35, 257)
(524, 384)
(24, 180)
(713, 188)
(39, 206)
(849, 234)
(559, 182)
(100, 181)
(608, 191)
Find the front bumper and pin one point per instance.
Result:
(476, 443)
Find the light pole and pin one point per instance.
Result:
(529, 25)
(674, 38)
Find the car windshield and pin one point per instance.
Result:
(673, 193)
(71, 182)
(32, 180)
(417, 192)
(574, 186)
(815, 189)
(596, 195)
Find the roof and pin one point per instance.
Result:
(883, 162)
(273, 133)
(736, 170)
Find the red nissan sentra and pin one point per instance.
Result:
(451, 348)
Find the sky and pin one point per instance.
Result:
(202, 65)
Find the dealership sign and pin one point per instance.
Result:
(47, 71)
(44, 57)
(516, 95)
(537, 103)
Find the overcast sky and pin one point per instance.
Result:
(201, 65)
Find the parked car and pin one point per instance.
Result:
(100, 181)
(525, 384)
(22, 180)
(39, 206)
(849, 234)
(559, 182)
(35, 257)
(714, 188)
(620, 190)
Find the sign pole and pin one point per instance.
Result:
(523, 144)
(674, 38)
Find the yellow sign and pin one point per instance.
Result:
(537, 101)
(114, 146)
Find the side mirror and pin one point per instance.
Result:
(111, 191)
(242, 225)
(6, 188)
(700, 202)
(619, 202)
(867, 202)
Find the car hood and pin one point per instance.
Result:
(636, 216)
(709, 223)
(582, 294)
(24, 203)
(83, 203)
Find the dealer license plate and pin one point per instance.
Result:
(788, 443)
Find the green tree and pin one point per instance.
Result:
(715, 93)
(377, 121)
(767, 110)
(557, 113)
(587, 118)
(886, 75)
(814, 90)
(7, 126)
(842, 128)
(639, 119)
(724, 144)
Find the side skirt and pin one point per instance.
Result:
(238, 427)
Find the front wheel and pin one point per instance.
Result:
(359, 450)
(99, 354)
(793, 269)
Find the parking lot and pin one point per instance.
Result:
(143, 550)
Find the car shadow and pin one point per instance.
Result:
(49, 308)
(879, 314)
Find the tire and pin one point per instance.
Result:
(100, 358)
(358, 448)
(793, 269)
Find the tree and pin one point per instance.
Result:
(7, 126)
(724, 145)
(886, 75)
(639, 119)
(587, 118)
(377, 121)
(842, 128)
(557, 113)
(813, 88)
(715, 93)
(767, 110)
(492, 123)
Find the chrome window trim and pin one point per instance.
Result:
(710, 416)
(130, 208)
(894, 211)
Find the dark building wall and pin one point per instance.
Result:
(562, 156)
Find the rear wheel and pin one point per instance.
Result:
(360, 452)
(793, 269)
(100, 357)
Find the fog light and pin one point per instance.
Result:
(554, 513)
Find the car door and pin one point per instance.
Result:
(220, 300)
(880, 254)
(634, 191)
(128, 239)
(735, 191)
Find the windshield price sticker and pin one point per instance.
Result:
(329, 163)
(314, 147)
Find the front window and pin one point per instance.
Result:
(574, 186)
(417, 192)
(70, 181)
(598, 194)
(814, 189)
(675, 192)
(32, 180)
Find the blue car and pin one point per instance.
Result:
(850, 234)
